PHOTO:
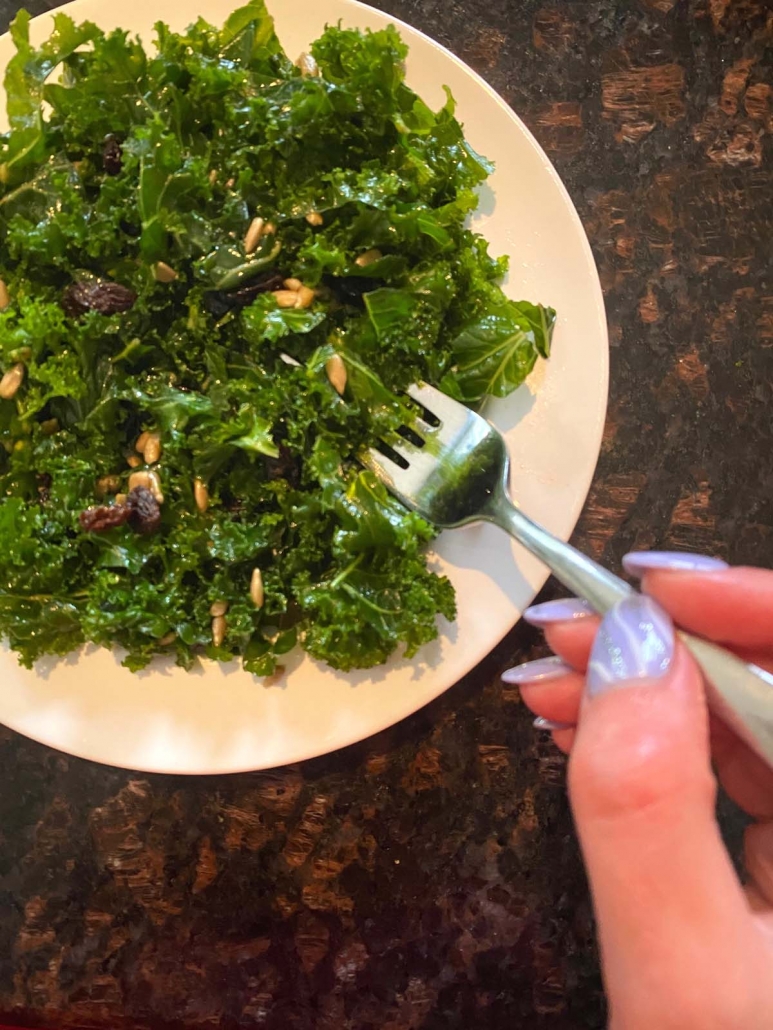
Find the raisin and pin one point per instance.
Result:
(263, 284)
(97, 520)
(350, 288)
(286, 466)
(112, 156)
(44, 487)
(107, 298)
(141, 511)
(145, 515)
(221, 301)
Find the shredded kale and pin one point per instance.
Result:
(129, 187)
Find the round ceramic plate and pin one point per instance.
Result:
(219, 719)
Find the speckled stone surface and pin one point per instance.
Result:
(428, 879)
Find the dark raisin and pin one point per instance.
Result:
(107, 298)
(349, 289)
(221, 301)
(286, 466)
(44, 487)
(97, 520)
(141, 511)
(215, 303)
(280, 433)
(145, 512)
(112, 156)
(246, 294)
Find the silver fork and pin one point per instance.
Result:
(452, 467)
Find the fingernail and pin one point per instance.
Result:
(535, 672)
(638, 562)
(565, 609)
(549, 725)
(635, 641)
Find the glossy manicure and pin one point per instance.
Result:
(536, 672)
(638, 562)
(565, 609)
(549, 725)
(635, 642)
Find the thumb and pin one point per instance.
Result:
(673, 922)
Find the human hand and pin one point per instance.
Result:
(683, 944)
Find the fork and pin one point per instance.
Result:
(451, 466)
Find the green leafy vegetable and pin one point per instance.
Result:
(495, 352)
(146, 302)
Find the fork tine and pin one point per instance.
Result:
(404, 482)
(423, 463)
(381, 466)
(451, 478)
(449, 411)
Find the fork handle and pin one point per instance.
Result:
(741, 694)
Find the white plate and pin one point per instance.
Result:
(219, 719)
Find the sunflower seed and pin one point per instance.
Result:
(142, 440)
(336, 372)
(5, 297)
(219, 627)
(253, 235)
(12, 380)
(368, 258)
(305, 297)
(218, 608)
(256, 588)
(108, 485)
(163, 272)
(152, 449)
(148, 480)
(307, 65)
(293, 284)
(133, 461)
(200, 495)
(315, 218)
(286, 298)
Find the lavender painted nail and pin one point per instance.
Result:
(536, 672)
(638, 562)
(635, 642)
(565, 609)
(549, 725)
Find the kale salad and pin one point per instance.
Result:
(220, 268)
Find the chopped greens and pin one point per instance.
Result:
(190, 241)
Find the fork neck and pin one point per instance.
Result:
(575, 570)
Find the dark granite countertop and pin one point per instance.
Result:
(428, 878)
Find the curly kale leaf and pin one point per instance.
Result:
(141, 174)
